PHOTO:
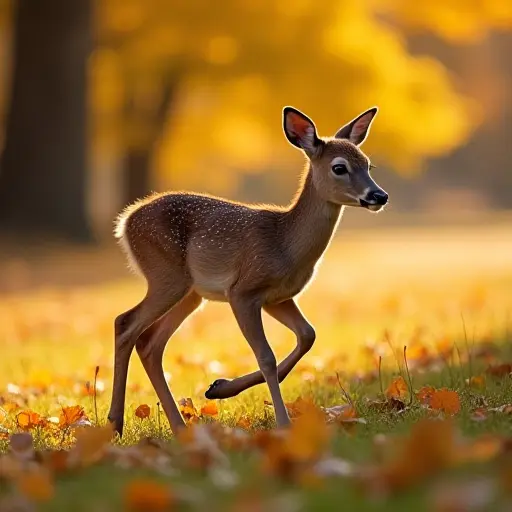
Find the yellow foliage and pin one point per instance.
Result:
(233, 77)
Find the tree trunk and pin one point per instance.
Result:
(149, 118)
(43, 173)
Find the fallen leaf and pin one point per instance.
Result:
(91, 443)
(397, 389)
(210, 409)
(479, 414)
(424, 395)
(36, 484)
(71, 416)
(446, 401)
(500, 370)
(147, 495)
(188, 410)
(477, 381)
(429, 448)
(27, 420)
(143, 411)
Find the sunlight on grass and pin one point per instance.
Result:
(444, 295)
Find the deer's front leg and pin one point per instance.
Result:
(288, 314)
(247, 311)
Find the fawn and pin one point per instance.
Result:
(191, 247)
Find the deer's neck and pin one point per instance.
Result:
(309, 224)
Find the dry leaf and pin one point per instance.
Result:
(72, 417)
(188, 410)
(477, 381)
(36, 484)
(479, 414)
(210, 409)
(29, 419)
(500, 370)
(143, 411)
(446, 401)
(397, 389)
(424, 395)
(91, 443)
(148, 495)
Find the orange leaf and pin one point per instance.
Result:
(424, 395)
(397, 389)
(70, 416)
(244, 423)
(28, 420)
(143, 411)
(445, 400)
(147, 495)
(36, 485)
(91, 443)
(210, 409)
(477, 381)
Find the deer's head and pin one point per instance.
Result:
(340, 170)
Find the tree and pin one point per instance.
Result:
(240, 61)
(43, 173)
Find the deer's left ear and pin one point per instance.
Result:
(357, 130)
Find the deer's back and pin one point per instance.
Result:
(217, 243)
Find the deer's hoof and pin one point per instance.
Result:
(118, 424)
(215, 391)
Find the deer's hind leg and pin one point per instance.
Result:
(162, 295)
(151, 346)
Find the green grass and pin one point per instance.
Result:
(404, 294)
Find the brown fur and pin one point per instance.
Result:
(191, 246)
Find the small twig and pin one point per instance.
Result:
(460, 361)
(470, 364)
(409, 379)
(380, 376)
(159, 420)
(393, 351)
(345, 394)
(95, 393)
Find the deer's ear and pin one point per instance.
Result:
(357, 130)
(300, 131)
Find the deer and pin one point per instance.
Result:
(193, 247)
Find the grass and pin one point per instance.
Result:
(375, 293)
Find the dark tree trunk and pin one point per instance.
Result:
(151, 120)
(43, 173)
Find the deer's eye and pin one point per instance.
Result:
(339, 169)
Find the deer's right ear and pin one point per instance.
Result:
(300, 131)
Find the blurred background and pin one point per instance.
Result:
(104, 101)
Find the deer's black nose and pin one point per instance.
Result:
(377, 197)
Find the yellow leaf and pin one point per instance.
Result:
(143, 411)
(397, 389)
(188, 410)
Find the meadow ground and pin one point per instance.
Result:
(391, 444)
